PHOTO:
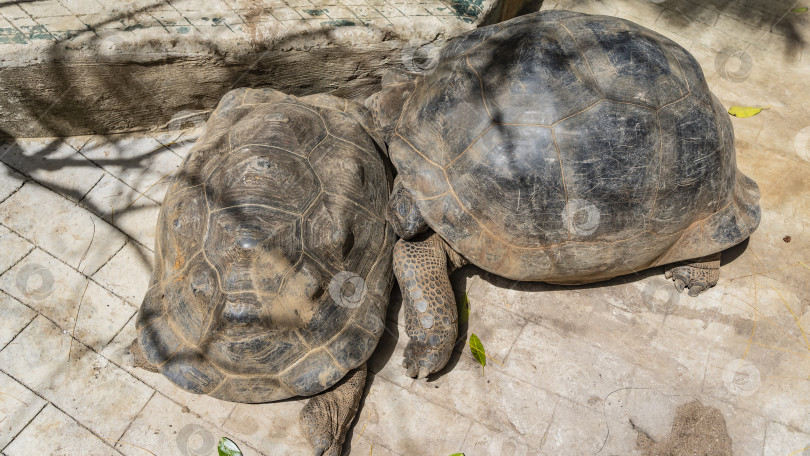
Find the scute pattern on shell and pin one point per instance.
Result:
(571, 148)
(278, 196)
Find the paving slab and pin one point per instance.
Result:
(15, 316)
(575, 429)
(271, 427)
(568, 365)
(79, 306)
(164, 427)
(55, 433)
(141, 162)
(408, 423)
(485, 441)
(127, 209)
(780, 438)
(54, 163)
(10, 181)
(13, 247)
(93, 391)
(127, 273)
(61, 228)
(493, 398)
(210, 409)
(18, 406)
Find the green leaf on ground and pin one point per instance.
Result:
(744, 111)
(226, 447)
(463, 305)
(799, 10)
(457, 454)
(477, 350)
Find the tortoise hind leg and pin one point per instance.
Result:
(431, 318)
(698, 275)
(139, 358)
(327, 416)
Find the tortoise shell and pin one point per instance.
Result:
(273, 257)
(572, 148)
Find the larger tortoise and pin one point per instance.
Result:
(558, 147)
(273, 259)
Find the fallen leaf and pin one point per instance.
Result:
(744, 111)
(477, 350)
(463, 305)
(799, 10)
(457, 454)
(226, 447)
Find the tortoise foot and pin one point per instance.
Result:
(327, 416)
(422, 359)
(698, 275)
(139, 359)
(431, 318)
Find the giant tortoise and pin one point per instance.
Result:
(273, 259)
(557, 147)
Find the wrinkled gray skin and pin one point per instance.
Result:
(528, 126)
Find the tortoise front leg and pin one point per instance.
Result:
(698, 275)
(327, 416)
(431, 318)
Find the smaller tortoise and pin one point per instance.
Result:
(557, 147)
(273, 259)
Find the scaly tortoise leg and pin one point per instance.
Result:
(327, 416)
(431, 317)
(139, 358)
(698, 275)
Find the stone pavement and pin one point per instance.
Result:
(573, 370)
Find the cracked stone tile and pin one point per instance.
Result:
(566, 307)
(781, 440)
(55, 433)
(567, 365)
(575, 429)
(127, 273)
(409, 424)
(678, 358)
(360, 444)
(13, 248)
(81, 6)
(10, 181)
(139, 160)
(47, 8)
(88, 387)
(485, 441)
(164, 427)
(15, 316)
(630, 411)
(208, 408)
(769, 382)
(124, 207)
(497, 328)
(54, 163)
(55, 290)
(493, 399)
(272, 427)
(61, 228)
(18, 406)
